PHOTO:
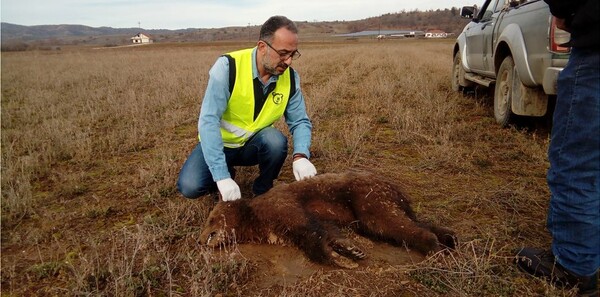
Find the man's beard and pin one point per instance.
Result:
(273, 69)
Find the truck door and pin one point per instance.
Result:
(479, 37)
(491, 34)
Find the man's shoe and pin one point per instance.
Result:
(542, 263)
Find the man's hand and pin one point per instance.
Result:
(303, 169)
(229, 189)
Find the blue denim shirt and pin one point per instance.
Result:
(215, 102)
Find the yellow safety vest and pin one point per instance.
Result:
(238, 123)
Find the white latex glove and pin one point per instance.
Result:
(303, 169)
(229, 189)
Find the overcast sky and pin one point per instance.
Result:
(182, 14)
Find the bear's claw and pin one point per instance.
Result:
(347, 248)
(342, 261)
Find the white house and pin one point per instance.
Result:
(436, 34)
(141, 38)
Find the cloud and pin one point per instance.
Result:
(180, 14)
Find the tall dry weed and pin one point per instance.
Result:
(92, 142)
(73, 107)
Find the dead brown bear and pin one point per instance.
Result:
(310, 213)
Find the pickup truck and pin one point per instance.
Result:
(513, 46)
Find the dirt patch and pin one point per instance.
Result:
(282, 266)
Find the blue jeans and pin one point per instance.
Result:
(574, 174)
(267, 149)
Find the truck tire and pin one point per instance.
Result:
(459, 83)
(503, 92)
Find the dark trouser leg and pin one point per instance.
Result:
(195, 179)
(268, 149)
(574, 174)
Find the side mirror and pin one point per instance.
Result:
(468, 12)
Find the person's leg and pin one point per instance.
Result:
(195, 179)
(268, 149)
(574, 174)
(574, 181)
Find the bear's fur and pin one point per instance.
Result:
(310, 213)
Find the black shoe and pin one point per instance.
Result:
(215, 197)
(542, 263)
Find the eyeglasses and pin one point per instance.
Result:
(283, 54)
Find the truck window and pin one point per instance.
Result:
(492, 7)
(502, 4)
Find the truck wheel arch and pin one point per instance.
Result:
(511, 42)
(459, 82)
(526, 98)
(512, 97)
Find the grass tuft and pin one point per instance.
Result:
(93, 140)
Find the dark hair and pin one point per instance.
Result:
(273, 24)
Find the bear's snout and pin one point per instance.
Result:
(213, 238)
(210, 237)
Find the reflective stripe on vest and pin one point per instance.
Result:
(236, 131)
(238, 123)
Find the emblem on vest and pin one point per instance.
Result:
(277, 98)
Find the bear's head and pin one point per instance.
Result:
(223, 221)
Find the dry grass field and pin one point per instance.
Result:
(93, 140)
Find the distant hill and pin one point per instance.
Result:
(26, 33)
(12, 31)
(17, 37)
